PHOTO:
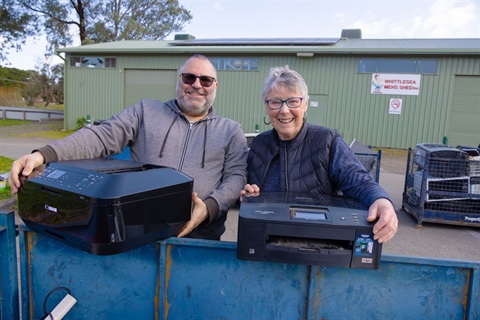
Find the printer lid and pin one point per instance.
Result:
(107, 180)
(105, 165)
(291, 207)
(301, 198)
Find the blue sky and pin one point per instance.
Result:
(326, 18)
(378, 19)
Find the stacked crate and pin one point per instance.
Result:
(442, 185)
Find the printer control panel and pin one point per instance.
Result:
(346, 216)
(70, 180)
(314, 214)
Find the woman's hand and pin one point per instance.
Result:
(249, 190)
(387, 224)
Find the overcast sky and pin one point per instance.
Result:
(378, 19)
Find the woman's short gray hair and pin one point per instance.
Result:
(286, 78)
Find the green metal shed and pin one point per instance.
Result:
(388, 93)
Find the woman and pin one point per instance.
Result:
(297, 156)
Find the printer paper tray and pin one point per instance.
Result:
(324, 257)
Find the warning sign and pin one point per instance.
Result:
(395, 106)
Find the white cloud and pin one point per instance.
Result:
(217, 5)
(440, 19)
(375, 29)
(339, 16)
(450, 19)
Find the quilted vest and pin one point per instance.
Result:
(304, 161)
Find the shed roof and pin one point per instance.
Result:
(285, 45)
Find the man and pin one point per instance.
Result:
(184, 133)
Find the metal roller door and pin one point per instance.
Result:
(464, 119)
(152, 84)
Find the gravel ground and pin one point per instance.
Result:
(394, 160)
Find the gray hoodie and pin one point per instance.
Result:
(212, 151)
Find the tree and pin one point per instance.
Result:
(12, 83)
(20, 86)
(94, 21)
(47, 83)
(15, 26)
(12, 77)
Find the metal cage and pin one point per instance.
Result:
(442, 190)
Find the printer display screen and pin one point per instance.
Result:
(309, 213)
(56, 174)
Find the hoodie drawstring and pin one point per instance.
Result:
(166, 135)
(204, 140)
(204, 145)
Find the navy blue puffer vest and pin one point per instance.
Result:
(304, 161)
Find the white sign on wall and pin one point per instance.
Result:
(406, 84)
(395, 106)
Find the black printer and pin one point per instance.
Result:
(106, 206)
(303, 229)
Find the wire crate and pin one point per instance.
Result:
(442, 190)
(369, 158)
(474, 167)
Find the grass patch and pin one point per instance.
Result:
(12, 122)
(55, 107)
(48, 134)
(5, 164)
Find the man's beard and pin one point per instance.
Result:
(193, 107)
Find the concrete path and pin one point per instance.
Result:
(15, 147)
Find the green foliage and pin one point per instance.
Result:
(12, 122)
(135, 20)
(47, 83)
(5, 192)
(5, 164)
(81, 123)
(16, 25)
(97, 21)
(12, 77)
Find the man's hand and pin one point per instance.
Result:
(23, 167)
(387, 224)
(199, 214)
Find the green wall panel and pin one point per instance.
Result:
(347, 104)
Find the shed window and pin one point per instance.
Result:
(235, 64)
(427, 66)
(110, 62)
(411, 66)
(93, 62)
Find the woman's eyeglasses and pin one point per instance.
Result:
(276, 104)
(189, 79)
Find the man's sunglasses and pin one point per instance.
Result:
(205, 81)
